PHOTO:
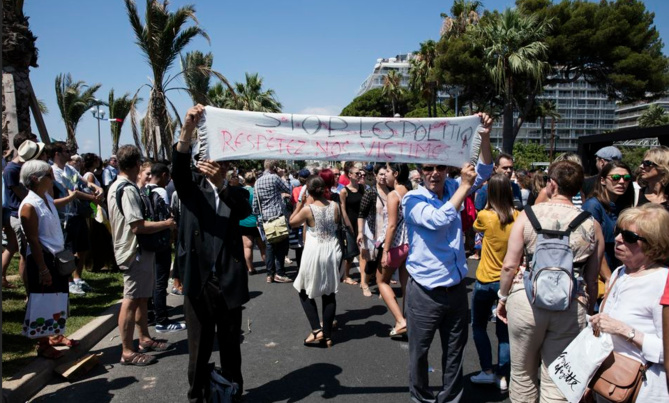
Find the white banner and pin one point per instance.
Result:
(237, 135)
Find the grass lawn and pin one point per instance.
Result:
(17, 350)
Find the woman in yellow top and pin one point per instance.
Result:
(495, 221)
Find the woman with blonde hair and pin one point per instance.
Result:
(654, 177)
(635, 324)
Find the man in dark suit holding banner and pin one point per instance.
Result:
(210, 258)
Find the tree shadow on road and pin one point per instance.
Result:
(318, 378)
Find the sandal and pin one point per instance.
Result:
(316, 341)
(48, 352)
(366, 292)
(154, 345)
(137, 359)
(398, 332)
(6, 284)
(350, 281)
(61, 340)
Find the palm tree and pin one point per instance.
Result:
(392, 88)
(515, 54)
(196, 67)
(74, 99)
(161, 38)
(465, 13)
(250, 96)
(19, 53)
(119, 108)
(655, 115)
(546, 109)
(422, 77)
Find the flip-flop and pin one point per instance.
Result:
(350, 281)
(366, 292)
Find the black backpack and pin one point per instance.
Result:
(154, 209)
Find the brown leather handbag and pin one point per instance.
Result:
(619, 378)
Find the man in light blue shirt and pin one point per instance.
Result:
(436, 296)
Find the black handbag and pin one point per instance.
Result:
(65, 262)
(347, 241)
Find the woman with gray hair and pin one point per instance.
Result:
(39, 219)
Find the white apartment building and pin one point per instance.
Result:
(399, 63)
(627, 116)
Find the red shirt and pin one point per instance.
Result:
(344, 180)
(665, 297)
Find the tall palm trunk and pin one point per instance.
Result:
(21, 78)
(158, 120)
(508, 136)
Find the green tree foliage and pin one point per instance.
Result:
(161, 37)
(632, 156)
(514, 52)
(74, 99)
(524, 154)
(372, 103)
(422, 78)
(248, 96)
(546, 109)
(655, 115)
(392, 88)
(119, 108)
(196, 68)
(614, 45)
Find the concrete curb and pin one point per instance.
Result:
(38, 373)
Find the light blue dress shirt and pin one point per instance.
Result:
(436, 247)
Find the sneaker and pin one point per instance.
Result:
(75, 289)
(482, 377)
(502, 384)
(282, 279)
(176, 291)
(84, 285)
(170, 327)
(287, 260)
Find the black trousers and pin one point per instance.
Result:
(445, 310)
(205, 316)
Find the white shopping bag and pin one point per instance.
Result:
(572, 370)
(46, 315)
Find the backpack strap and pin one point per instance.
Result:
(533, 219)
(119, 194)
(578, 221)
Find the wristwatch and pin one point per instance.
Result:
(502, 298)
(631, 334)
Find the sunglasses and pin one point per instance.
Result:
(617, 177)
(440, 168)
(357, 173)
(629, 236)
(648, 164)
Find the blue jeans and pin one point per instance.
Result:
(483, 299)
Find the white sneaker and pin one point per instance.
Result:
(76, 289)
(483, 378)
(84, 286)
(503, 384)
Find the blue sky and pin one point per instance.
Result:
(314, 54)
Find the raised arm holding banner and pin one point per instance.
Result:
(236, 135)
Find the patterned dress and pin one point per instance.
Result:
(319, 268)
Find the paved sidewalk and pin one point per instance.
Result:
(364, 365)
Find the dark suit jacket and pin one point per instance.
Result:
(207, 236)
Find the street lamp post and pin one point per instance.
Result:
(99, 115)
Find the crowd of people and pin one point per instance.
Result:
(413, 227)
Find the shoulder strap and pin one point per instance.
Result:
(119, 194)
(379, 196)
(533, 219)
(608, 290)
(578, 221)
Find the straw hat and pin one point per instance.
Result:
(29, 150)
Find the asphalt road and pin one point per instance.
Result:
(364, 365)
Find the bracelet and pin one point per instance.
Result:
(502, 298)
(46, 271)
(187, 142)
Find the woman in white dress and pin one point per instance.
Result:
(319, 268)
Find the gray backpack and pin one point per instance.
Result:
(549, 280)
